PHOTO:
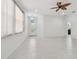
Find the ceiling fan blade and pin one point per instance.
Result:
(54, 7)
(67, 4)
(64, 8)
(57, 9)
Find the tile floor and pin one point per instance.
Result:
(46, 48)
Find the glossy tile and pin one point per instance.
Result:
(46, 48)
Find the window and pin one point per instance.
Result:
(19, 20)
(32, 25)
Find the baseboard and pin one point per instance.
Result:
(5, 36)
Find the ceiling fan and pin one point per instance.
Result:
(61, 6)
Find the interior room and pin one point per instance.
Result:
(39, 29)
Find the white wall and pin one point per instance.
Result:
(7, 17)
(54, 26)
(40, 26)
(26, 23)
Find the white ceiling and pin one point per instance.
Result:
(43, 6)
